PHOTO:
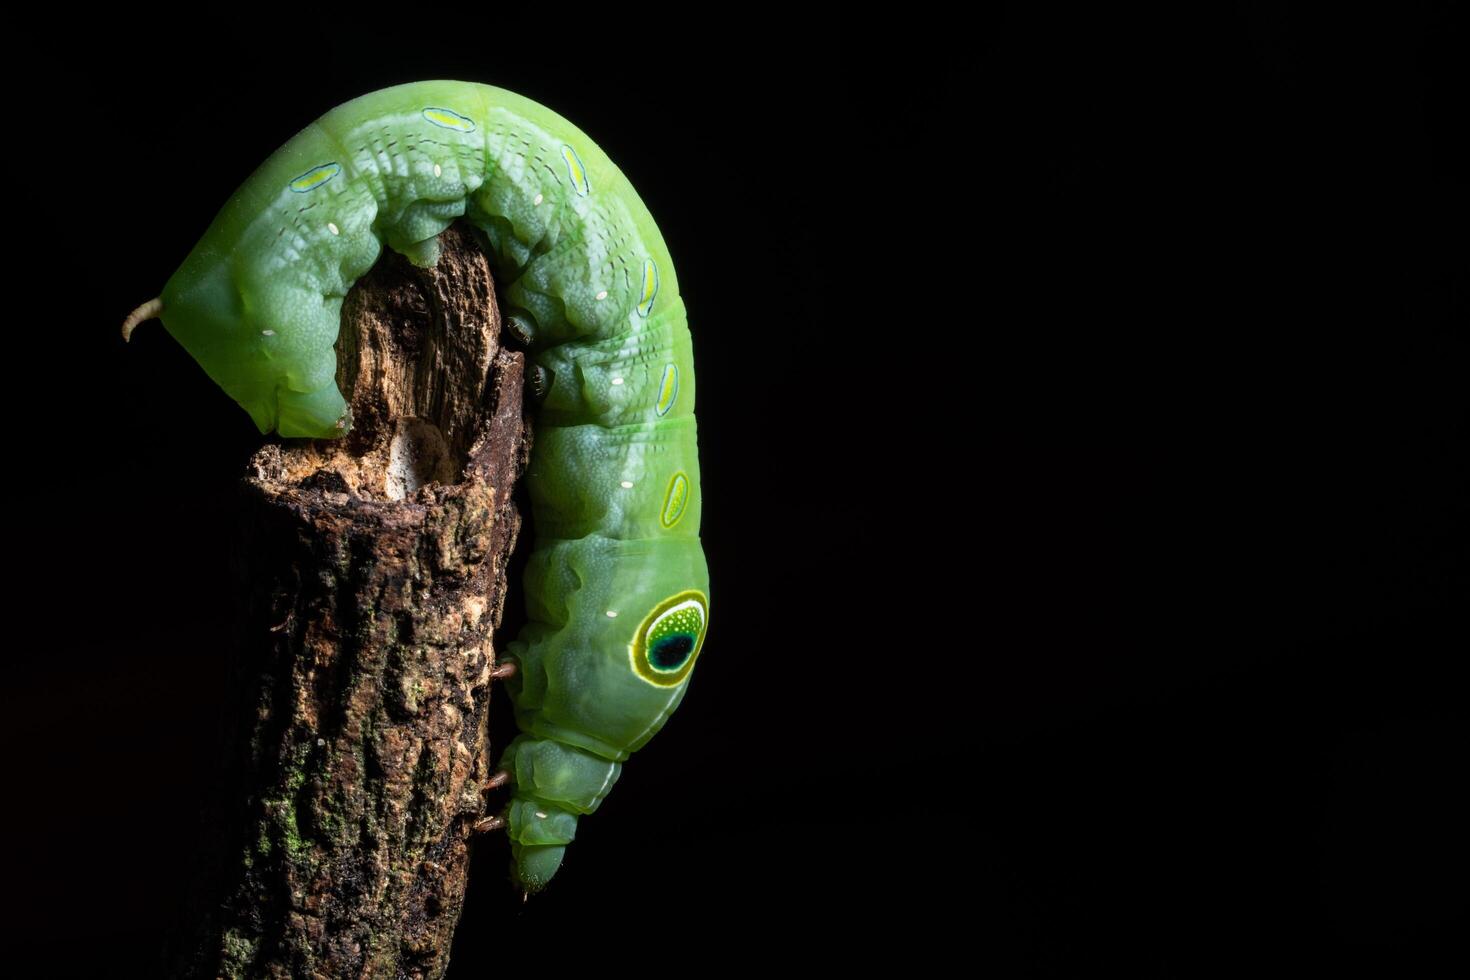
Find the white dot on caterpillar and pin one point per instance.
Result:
(333, 228)
(626, 485)
(617, 381)
(612, 614)
(602, 295)
(540, 815)
(267, 333)
(438, 170)
(537, 202)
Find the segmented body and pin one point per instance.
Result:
(617, 587)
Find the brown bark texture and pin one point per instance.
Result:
(373, 575)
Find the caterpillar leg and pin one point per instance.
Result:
(521, 328)
(501, 777)
(502, 671)
(539, 380)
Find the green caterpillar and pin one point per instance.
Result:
(617, 588)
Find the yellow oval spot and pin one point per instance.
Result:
(675, 500)
(332, 227)
(626, 485)
(449, 119)
(650, 287)
(438, 170)
(575, 170)
(602, 296)
(668, 389)
(537, 203)
(315, 177)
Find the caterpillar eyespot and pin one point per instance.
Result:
(668, 640)
(257, 303)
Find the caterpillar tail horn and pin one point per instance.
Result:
(147, 311)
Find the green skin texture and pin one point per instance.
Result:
(258, 302)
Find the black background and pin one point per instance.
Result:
(1081, 408)
(1229, 496)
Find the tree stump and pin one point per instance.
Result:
(373, 575)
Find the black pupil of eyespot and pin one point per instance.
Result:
(671, 651)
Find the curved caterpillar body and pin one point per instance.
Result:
(617, 588)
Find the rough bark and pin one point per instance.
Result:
(374, 574)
